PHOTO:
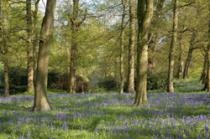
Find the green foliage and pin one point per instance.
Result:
(157, 81)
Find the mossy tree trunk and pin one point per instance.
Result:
(145, 14)
(41, 102)
(30, 53)
(208, 72)
(74, 44)
(35, 38)
(122, 48)
(132, 46)
(189, 56)
(6, 77)
(170, 85)
(180, 68)
(76, 21)
(4, 39)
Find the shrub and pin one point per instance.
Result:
(157, 81)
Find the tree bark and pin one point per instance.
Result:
(208, 72)
(122, 49)
(189, 56)
(4, 45)
(73, 51)
(35, 39)
(30, 62)
(204, 70)
(180, 68)
(6, 78)
(170, 86)
(144, 23)
(41, 102)
(132, 46)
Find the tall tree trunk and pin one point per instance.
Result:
(6, 77)
(170, 87)
(76, 22)
(208, 72)
(132, 46)
(30, 62)
(180, 60)
(204, 70)
(189, 56)
(204, 75)
(4, 45)
(35, 38)
(144, 23)
(40, 100)
(122, 47)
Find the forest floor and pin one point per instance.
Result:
(109, 116)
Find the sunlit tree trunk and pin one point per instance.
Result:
(170, 85)
(122, 48)
(35, 38)
(40, 100)
(189, 56)
(132, 46)
(145, 14)
(30, 62)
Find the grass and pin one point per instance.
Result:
(109, 116)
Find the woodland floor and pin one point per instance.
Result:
(184, 115)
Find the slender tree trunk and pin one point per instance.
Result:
(144, 23)
(122, 47)
(73, 49)
(35, 39)
(204, 75)
(180, 60)
(132, 46)
(6, 77)
(204, 70)
(40, 100)
(30, 59)
(189, 56)
(170, 87)
(208, 72)
(4, 45)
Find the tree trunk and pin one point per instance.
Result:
(170, 87)
(122, 47)
(189, 56)
(180, 60)
(74, 44)
(204, 70)
(132, 47)
(35, 39)
(6, 77)
(208, 72)
(30, 62)
(3, 41)
(144, 23)
(40, 100)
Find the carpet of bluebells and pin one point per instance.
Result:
(107, 116)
